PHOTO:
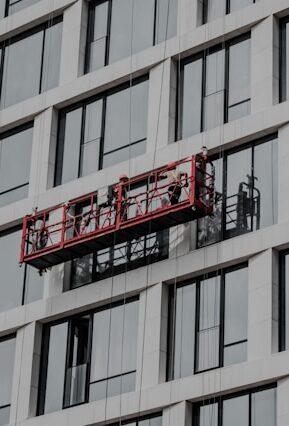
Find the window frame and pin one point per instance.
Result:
(220, 400)
(45, 352)
(172, 313)
(4, 339)
(252, 145)
(228, 10)
(281, 300)
(26, 34)
(13, 132)
(180, 82)
(282, 59)
(83, 104)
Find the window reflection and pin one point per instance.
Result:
(7, 355)
(213, 9)
(247, 199)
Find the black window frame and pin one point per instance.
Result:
(228, 10)
(26, 266)
(220, 399)
(90, 27)
(282, 59)
(137, 420)
(8, 4)
(281, 300)
(224, 157)
(180, 82)
(4, 339)
(26, 34)
(171, 326)
(83, 104)
(45, 351)
(13, 132)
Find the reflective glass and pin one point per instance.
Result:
(209, 322)
(12, 277)
(81, 271)
(15, 6)
(209, 415)
(184, 344)
(287, 302)
(51, 58)
(22, 58)
(236, 306)
(264, 408)
(2, 8)
(143, 24)
(266, 183)
(56, 368)
(213, 110)
(124, 154)
(7, 355)
(239, 110)
(286, 53)
(236, 411)
(33, 285)
(239, 72)
(238, 4)
(215, 9)
(97, 46)
(192, 98)
(16, 150)
(69, 146)
(4, 415)
(166, 19)
(120, 33)
(235, 354)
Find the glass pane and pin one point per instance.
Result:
(100, 345)
(7, 355)
(236, 411)
(75, 385)
(208, 335)
(115, 347)
(286, 59)
(192, 99)
(14, 195)
(215, 9)
(97, 46)
(235, 354)
(239, 169)
(100, 21)
(2, 8)
(97, 54)
(120, 33)
(69, 146)
(56, 368)
(213, 110)
(19, 5)
(166, 19)
(215, 72)
(209, 415)
(139, 111)
(81, 273)
(130, 334)
(15, 150)
(266, 183)
(287, 302)
(33, 285)
(236, 306)
(184, 346)
(22, 58)
(124, 154)
(239, 110)
(98, 390)
(264, 408)
(89, 157)
(4, 415)
(11, 287)
(51, 59)
(238, 4)
(143, 24)
(239, 72)
(93, 120)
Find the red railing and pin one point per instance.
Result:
(170, 189)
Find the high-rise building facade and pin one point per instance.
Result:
(187, 326)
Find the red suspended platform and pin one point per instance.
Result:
(134, 207)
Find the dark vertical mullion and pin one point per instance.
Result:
(171, 333)
(68, 358)
(226, 83)
(89, 351)
(108, 33)
(81, 142)
(282, 303)
(6, 12)
(3, 47)
(155, 22)
(224, 198)
(220, 411)
(24, 284)
(282, 62)
(204, 80)
(250, 409)
(228, 7)
(252, 189)
(205, 11)
(197, 325)
(43, 370)
(102, 137)
(42, 59)
(89, 38)
(222, 319)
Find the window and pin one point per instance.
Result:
(20, 285)
(215, 87)
(7, 354)
(118, 259)
(8, 7)
(284, 301)
(143, 421)
(89, 357)
(254, 408)
(284, 58)
(213, 9)
(102, 131)
(119, 28)
(246, 192)
(34, 56)
(15, 148)
(208, 323)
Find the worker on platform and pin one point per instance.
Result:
(176, 181)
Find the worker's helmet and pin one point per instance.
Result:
(123, 177)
